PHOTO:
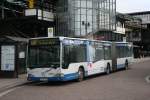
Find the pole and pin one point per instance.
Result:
(3, 13)
(86, 28)
(42, 10)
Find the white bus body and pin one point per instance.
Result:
(59, 59)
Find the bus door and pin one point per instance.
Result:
(96, 57)
(114, 56)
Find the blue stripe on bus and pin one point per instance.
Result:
(66, 77)
(120, 66)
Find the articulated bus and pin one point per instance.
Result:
(64, 59)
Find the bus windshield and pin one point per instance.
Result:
(44, 56)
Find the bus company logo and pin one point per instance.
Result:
(77, 42)
(73, 42)
(68, 42)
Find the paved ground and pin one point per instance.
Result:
(138, 60)
(6, 83)
(122, 85)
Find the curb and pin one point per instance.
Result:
(11, 86)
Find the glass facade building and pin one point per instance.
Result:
(71, 18)
(143, 48)
(79, 18)
(145, 16)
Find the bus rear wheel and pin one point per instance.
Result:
(80, 74)
(126, 65)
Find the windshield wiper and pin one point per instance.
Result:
(51, 64)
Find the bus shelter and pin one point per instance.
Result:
(12, 56)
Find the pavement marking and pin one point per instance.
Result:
(147, 79)
(8, 91)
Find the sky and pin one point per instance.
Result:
(128, 6)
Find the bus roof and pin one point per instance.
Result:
(62, 38)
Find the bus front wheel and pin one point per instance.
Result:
(80, 74)
(108, 69)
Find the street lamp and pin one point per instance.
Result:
(86, 24)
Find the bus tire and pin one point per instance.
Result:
(126, 65)
(108, 69)
(80, 74)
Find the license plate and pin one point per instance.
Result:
(43, 79)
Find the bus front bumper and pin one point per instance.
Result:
(66, 77)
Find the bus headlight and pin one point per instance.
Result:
(30, 75)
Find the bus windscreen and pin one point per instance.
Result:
(44, 54)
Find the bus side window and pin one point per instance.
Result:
(107, 52)
(99, 54)
(96, 52)
(119, 52)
